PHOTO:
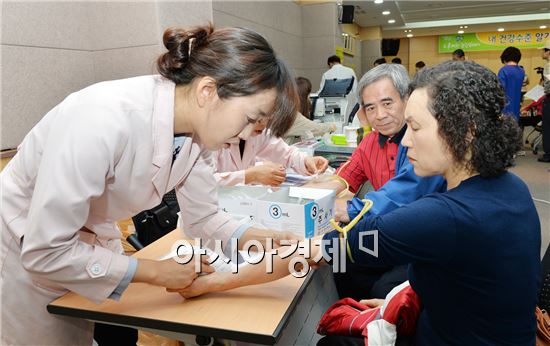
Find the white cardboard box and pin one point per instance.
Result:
(305, 211)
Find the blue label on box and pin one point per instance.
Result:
(311, 210)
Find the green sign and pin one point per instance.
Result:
(493, 40)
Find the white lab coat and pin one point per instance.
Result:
(230, 167)
(101, 155)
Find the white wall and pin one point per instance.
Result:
(370, 52)
(279, 22)
(319, 25)
(50, 49)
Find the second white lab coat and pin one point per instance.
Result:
(230, 167)
(102, 155)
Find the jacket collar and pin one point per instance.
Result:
(382, 139)
(162, 132)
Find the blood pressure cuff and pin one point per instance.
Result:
(355, 205)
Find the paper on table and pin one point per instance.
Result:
(298, 179)
(536, 93)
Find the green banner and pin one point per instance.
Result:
(493, 40)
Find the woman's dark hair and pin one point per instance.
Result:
(510, 54)
(466, 98)
(241, 61)
(304, 89)
(420, 64)
(396, 60)
(458, 53)
(379, 61)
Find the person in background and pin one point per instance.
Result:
(304, 87)
(262, 159)
(511, 78)
(418, 66)
(338, 71)
(545, 53)
(458, 55)
(381, 160)
(110, 150)
(303, 126)
(458, 242)
(379, 61)
(396, 60)
(525, 82)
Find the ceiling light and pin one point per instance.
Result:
(406, 30)
(542, 27)
(385, 13)
(460, 31)
(378, 1)
(465, 26)
(409, 35)
(461, 27)
(391, 21)
(500, 29)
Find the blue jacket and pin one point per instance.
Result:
(405, 187)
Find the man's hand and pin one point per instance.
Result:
(268, 173)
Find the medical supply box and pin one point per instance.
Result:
(304, 211)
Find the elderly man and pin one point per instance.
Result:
(380, 159)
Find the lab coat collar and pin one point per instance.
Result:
(163, 133)
(188, 155)
(249, 153)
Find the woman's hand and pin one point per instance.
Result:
(316, 164)
(268, 173)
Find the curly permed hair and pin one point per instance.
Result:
(467, 101)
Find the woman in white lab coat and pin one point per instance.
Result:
(263, 159)
(106, 152)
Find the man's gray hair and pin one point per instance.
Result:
(396, 73)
